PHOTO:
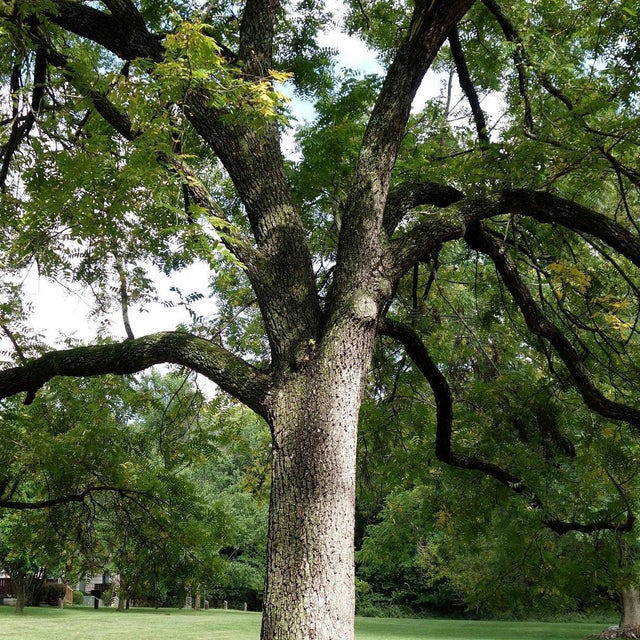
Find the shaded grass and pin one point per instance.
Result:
(45, 623)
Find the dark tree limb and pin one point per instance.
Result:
(539, 324)
(16, 345)
(433, 230)
(520, 60)
(437, 227)
(467, 86)
(520, 55)
(229, 372)
(549, 208)
(68, 499)
(21, 127)
(443, 396)
(122, 32)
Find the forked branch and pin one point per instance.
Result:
(443, 396)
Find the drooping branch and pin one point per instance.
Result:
(443, 396)
(466, 84)
(520, 55)
(21, 127)
(228, 371)
(116, 118)
(520, 60)
(552, 209)
(16, 345)
(196, 193)
(433, 230)
(539, 324)
(436, 227)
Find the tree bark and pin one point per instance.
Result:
(630, 601)
(19, 583)
(309, 592)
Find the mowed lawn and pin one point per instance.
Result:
(146, 624)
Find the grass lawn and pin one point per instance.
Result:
(47, 623)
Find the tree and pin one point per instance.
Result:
(136, 102)
(111, 466)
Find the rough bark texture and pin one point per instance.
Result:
(310, 589)
(630, 600)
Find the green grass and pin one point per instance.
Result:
(47, 623)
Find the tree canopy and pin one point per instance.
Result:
(495, 248)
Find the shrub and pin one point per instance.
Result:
(52, 592)
(106, 597)
(78, 597)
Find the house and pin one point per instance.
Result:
(95, 584)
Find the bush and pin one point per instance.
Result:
(106, 597)
(52, 592)
(78, 598)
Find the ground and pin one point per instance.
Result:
(47, 623)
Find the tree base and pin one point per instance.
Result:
(632, 631)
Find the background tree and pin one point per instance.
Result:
(124, 451)
(147, 96)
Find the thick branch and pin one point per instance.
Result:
(549, 208)
(416, 244)
(230, 373)
(546, 207)
(119, 32)
(409, 195)
(256, 36)
(540, 325)
(444, 416)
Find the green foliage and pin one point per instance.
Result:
(100, 210)
(236, 481)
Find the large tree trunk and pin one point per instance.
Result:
(630, 601)
(309, 591)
